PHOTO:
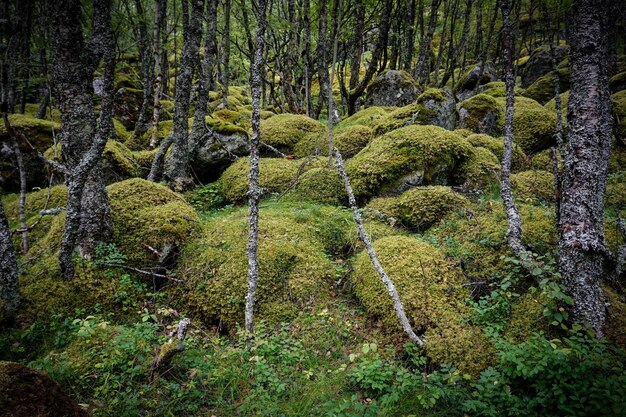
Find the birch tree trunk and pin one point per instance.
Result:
(9, 284)
(583, 254)
(159, 26)
(254, 194)
(421, 72)
(141, 126)
(226, 53)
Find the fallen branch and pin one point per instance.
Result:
(397, 303)
(141, 271)
(170, 348)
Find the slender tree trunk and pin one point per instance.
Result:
(478, 40)
(461, 46)
(226, 53)
(308, 63)
(444, 34)
(322, 59)
(176, 163)
(357, 43)
(157, 34)
(290, 60)
(421, 72)
(87, 215)
(333, 116)
(409, 38)
(9, 283)
(583, 254)
(255, 189)
(147, 75)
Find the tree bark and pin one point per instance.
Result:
(176, 163)
(322, 60)
(226, 53)
(583, 254)
(9, 284)
(147, 75)
(290, 60)
(409, 38)
(157, 34)
(422, 71)
(254, 193)
(87, 217)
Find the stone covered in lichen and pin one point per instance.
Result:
(283, 131)
(412, 155)
(542, 90)
(480, 172)
(533, 186)
(393, 88)
(480, 114)
(349, 141)
(421, 207)
(148, 214)
(429, 286)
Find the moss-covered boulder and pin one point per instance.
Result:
(480, 172)
(542, 90)
(293, 267)
(149, 214)
(421, 207)
(433, 107)
(430, 287)
(533, 186)
(320, 185)
(526, 317)
(39, 133)
(275, 175)
(496, 145)
(126, 106)
(619, 113)
(477, 239)
(534, 127)
(349, 141)
(366, 117)
(617, 82)
(473, 78)
(540, 63)
(480, 114)
(409, 156)
(551, 105)
(28, 393)
(392, 88)
(283, 131)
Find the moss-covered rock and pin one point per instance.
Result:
(275, 175)
(526, 318)
(551, 105)
(320, 185)
(412, 155)
(430, 288)
(617, 82)
(28, 393)
(393, 88)
(480, 171)
(478, 239)
(540, 63)
(126, 106)
(366, 117)
(349, 141)
(473, 78)
(145, 213)
(496, 145)
(542, 90)
(615, 327)
(283, 131)
(421, 207)
(480, 114)
(293, 268)
(533, 186)
(619, 112)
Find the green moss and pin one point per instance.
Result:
(618, 82)
(430, 152)
(615, 327)
(420, 207)
(415, 113)
(465, 133)
(37, 131)
(542, 90)
(480, 114)
(526, 318)
(496, 146)
(32, 109)
(275, 175)
(533, 186)
(293, 268)
(120, 130)
(365, 117)
(145, 213)
(498, 90)
(619, 111)
(521, 62)
(430, 288)
(320, 185)
(551, 105)
(226, 128)
(349, 141)
(478, 238)
(480, 171)
(283, 131)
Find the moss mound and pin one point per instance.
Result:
(478, 238)
(533, 186)
(283, 131)
(275, 175)
(526, 318)
(496, 146)
(420, 207)
(542, 90)
(293, 267)
(430, 288)
(551, 105)
(427, 154)
(38, 131)
(480, 171)
(320, 185)
(145, 213)
(28, 393)
(349, 141)
(480, 114)
(619, 112)
(365, 117)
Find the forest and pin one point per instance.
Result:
(312, 208)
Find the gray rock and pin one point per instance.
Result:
(472, 79)
(440, 106)
(212, 153)
(540, 63)
(393, 88)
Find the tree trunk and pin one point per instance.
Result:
(255, 189)
(157, 88)
(422, 70)
(226, 53)
(308, 63)
(9, 284)
(322, 60)
(583, 254)
(176, 164)
(142, 124)
(409, 38)
(87, 216)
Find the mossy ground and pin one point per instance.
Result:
(283, 131)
